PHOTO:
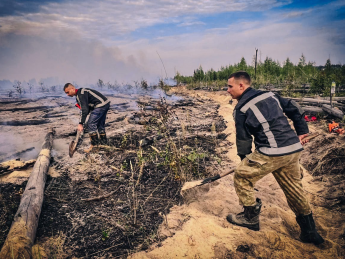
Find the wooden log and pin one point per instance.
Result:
(311, 100)
(21, 236)
(333, 98)
(312, 110)
(309, 104)
(14, 165)
(334, 112)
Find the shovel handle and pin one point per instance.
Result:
(78, 135)
(216, 177)
(226, 173)
(312, 136)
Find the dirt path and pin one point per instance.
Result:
(199, 229)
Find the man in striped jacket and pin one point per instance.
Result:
(277, 151)
(93, 102)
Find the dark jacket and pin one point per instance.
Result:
(261, 114)
(89, 99)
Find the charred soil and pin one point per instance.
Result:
(124, 199)
(111, 202)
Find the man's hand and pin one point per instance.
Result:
(302, 138)
(80, 127)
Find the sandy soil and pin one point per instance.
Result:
(198, 229)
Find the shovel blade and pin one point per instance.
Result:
(71, 148)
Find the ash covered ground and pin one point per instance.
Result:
(110, 203)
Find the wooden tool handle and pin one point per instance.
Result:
(78, 135)
(311, 136)
(226, 173)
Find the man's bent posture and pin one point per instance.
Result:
(93, 102)
(277, 151)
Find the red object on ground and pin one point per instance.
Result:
(313, 118)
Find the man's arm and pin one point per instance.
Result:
(243, 137)
(295, 113)
(84, 103)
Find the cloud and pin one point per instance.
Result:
(220, 47)
(107, 19)
(66, 55)
(86, 40)
(295, 14)
(194, 23)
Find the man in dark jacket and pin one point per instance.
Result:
(93, 102)
(277, 151)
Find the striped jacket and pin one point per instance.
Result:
(261, 114)
(89, 99)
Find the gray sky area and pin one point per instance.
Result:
(82, 41)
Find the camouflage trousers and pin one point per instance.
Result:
(285, 169)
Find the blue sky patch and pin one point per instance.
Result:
(303, 4)
(17, 7)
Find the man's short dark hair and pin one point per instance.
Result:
(241, 75)
(66, 85)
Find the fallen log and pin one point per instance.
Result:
(14, 165)
(24, 123)
(22, 233)
(333, 98)
(339, 105)
(4, 169)
(311, 100)
(332, 111)
(312, 110)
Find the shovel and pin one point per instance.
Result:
(193, 184)
(73, 145)
(190, 185)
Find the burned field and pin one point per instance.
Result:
(324, 158)
(110, 203)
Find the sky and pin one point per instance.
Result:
(124, 40)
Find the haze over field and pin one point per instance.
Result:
(82, 41)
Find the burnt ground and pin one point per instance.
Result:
(324, 158)
(10, 195)
(133, 184)
(110, 203)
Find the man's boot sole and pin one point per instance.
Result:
(316, 241)
(255, 227)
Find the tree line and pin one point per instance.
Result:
(271, 73)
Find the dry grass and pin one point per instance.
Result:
(53, 248)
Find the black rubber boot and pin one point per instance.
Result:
(103, 138)
(249, 218)
(94, 142)
(308, 230)
(94, 139)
